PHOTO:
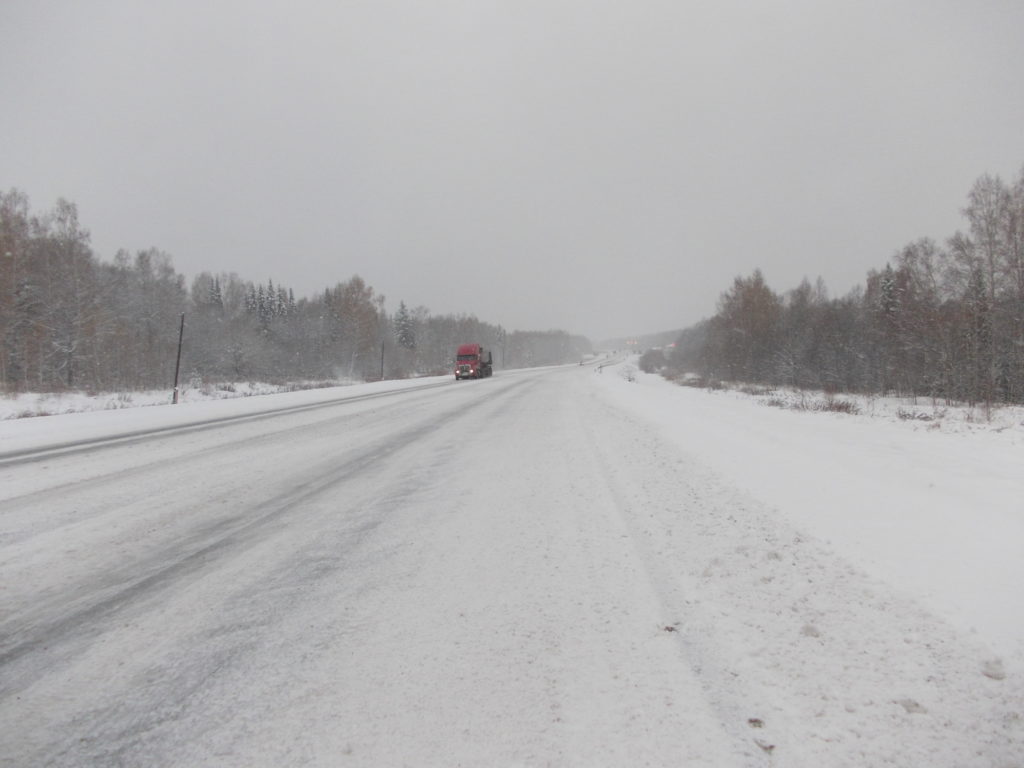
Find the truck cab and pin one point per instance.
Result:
(473, 362)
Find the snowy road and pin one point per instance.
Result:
(514, 571)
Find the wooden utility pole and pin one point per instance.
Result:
(177, 365)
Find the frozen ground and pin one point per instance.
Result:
(558, 567)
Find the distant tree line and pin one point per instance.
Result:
(939, 320)
(71, 321)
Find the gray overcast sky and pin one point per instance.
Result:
(602, 167)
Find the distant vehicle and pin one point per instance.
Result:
(473, 362)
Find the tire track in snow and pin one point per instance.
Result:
(807, 659)
(622, 451)
(31, 455)
(264, 426)
(259, 622)
(51, 625)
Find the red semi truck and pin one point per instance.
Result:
(473, 362)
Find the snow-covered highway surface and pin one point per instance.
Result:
(546, 568)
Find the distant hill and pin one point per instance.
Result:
(639, 343)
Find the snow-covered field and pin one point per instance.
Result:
(558, 567)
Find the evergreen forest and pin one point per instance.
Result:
(70, 321)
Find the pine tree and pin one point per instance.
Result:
(215, 298)
(405, 333)
(271, 310)
(283, 306)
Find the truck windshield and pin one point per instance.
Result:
(466, 358)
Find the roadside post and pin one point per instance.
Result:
(177, 365)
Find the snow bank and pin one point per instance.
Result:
(29, 404)
(932, 506)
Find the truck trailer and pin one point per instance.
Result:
(473, 362)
